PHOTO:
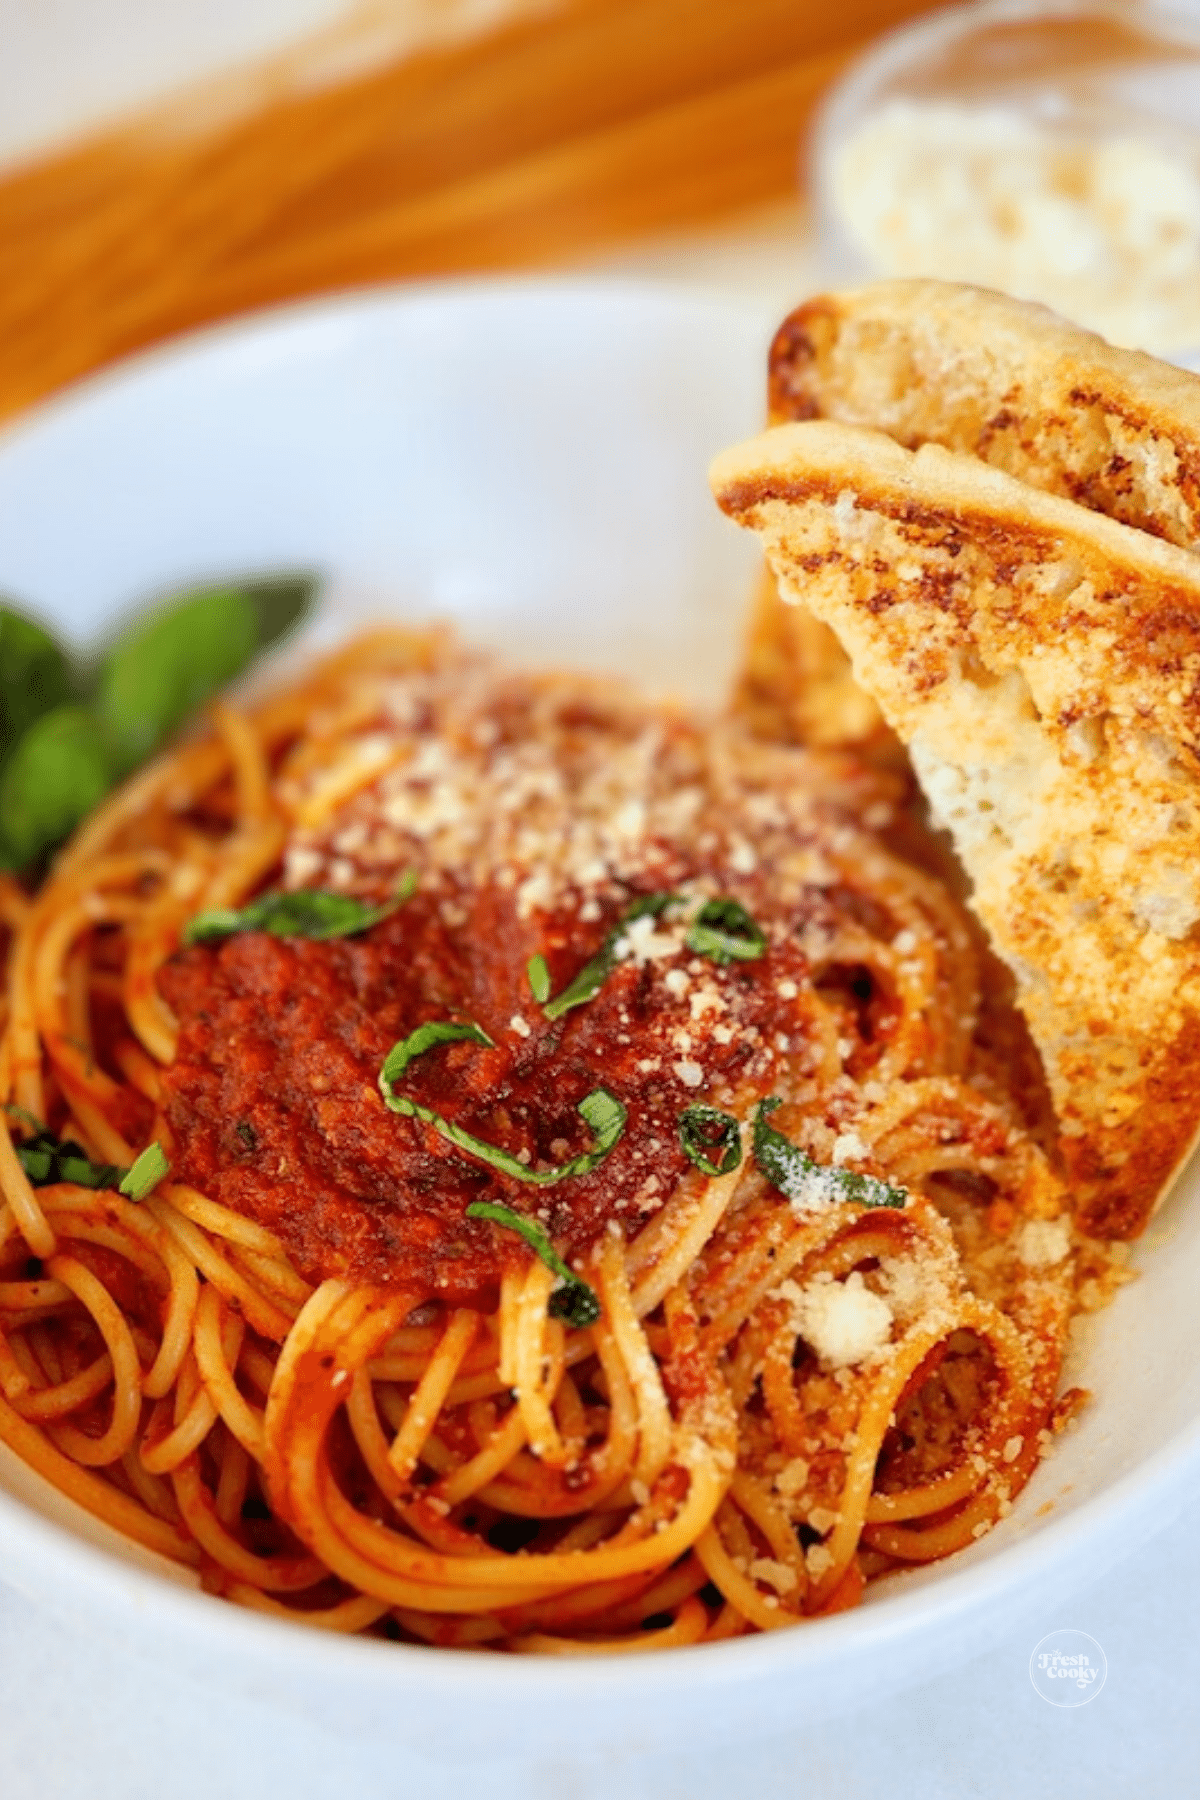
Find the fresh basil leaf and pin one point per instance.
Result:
(807, 1183)
(427, 1037)
(147, 1171)
(594, 974)
(602, 1111)
(56, 774)
(724, 931)
(305, 912)
(34, 676)
(168, 664)
(539, 978)
(710, 1138)
(576, 1300)
(280, 602)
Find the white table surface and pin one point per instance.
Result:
(82, 1720)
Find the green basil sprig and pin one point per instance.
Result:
(34, 676)
(593, 975)
(48, 1160)
(304, 912)
(725, 931)
(710, 1138)
(178, 654)
(809, 1183)
(539, 978)
(147, 1171)
(575, 1301)
(70, 728)
(602, 1111)
(722, 930)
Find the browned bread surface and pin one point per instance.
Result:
(932, 362)
(1042, 663)
(1001, 379)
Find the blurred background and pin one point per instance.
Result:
(163, 166)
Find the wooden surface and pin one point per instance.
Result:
(591, 125)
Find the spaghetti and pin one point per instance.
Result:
(302, 1366)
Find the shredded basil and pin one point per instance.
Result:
(575, 1301)
(47, 1160)
(725, 931)
(809, 1183)
(599, 1109)
(722, 930)
(427, 1037)
(593, 975)
(148, 1170)
(539, 978)
(305, 912)
(712, 1139)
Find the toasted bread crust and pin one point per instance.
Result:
(933, 362)
(1042, 663)
(1001, 379)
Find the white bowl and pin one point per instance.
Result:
(528, 460)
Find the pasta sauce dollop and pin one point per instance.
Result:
(533, 816)
(277, 1112)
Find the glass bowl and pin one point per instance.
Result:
(1051, 151)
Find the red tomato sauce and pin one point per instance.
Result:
(275, 1108)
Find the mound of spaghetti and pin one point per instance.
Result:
(605, 1208)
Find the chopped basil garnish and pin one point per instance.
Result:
(712, 1139)
(306, 912)
(599, 1109)
(725, 931)
(593, 975)
(575, 1301)
(428, 1037)
(539, 978)
(47, 1160)
(722, 930)
(146, 1173)
(807, 1183)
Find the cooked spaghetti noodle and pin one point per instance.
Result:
(300, 1365)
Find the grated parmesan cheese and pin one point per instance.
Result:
(843, 1320)
(1044, 1242)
